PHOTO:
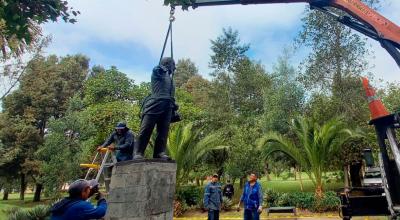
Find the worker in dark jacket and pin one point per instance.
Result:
(123, 139)
(76, 207)
(229, 191)
(157, 110)
(252, 198)
(213, 198)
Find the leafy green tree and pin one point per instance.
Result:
(187, 107)
(104, 117)
(332, 72)
(243, 155)
(227, 50)
(66, 145)
(250, 80)
(141, 91)
(97, 69)
(185, 3)
(43, 93)
(235, 103)
(187, 145)
(108, 97)
(14, 67)
(18, 137)
(313, 147)
(108, 86)
(20, 21)
(238, 83)
(391, 99)
(199, 88)
(335, 63)
(284, 99)
(185, 69)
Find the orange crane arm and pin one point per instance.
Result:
(385, 28)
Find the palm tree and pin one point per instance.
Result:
(313, 146)
(186, 145)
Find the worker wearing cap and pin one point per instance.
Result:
(123, 139)
(75, 205)
(213, 198)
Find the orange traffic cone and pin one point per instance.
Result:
(376, 106)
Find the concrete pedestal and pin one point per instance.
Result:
(142, 190)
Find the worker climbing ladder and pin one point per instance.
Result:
(102, 163)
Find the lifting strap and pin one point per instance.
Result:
(169, 33)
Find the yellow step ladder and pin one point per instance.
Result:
(103, 159)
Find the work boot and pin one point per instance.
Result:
(138, 156)
(162, 156)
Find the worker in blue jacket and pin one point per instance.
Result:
(213, 198)
(123, 139)
(252, 198)
(75, 205)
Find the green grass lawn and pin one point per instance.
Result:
(13, 201)
(289, 185)
(276, 184)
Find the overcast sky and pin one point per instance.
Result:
(129, 34)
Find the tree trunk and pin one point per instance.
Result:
(277, 173)
(220, 172)
(266, 171)
(5, 195)
(295, 173)
(22, 187)
(355, 175)
(38, 192)
(197, 181)
(300, 179)
(346, 177)
(242, 181)
(318, 192)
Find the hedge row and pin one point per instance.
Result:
(193, 196)
(303, 200)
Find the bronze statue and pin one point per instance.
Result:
(158, 109)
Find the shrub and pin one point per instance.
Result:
(191, 195)
(180, 207)
(271, 197)
(302, 200)
(284, 199)
(330, 202)
(200, 206)
(40, 212)
(227, 204)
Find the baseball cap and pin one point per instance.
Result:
(76, 188)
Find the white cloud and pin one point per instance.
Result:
(385, 67)
(144, 23)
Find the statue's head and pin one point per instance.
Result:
(168, 63)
